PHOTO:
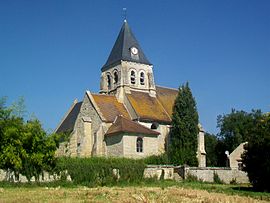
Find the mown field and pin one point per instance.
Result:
(153, 192)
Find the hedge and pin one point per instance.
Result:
(100, 171)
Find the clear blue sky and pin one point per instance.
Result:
(52, 51)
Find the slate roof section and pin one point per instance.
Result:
(124, 125)
(167, 96)
(110, 107)
(69, 121)
(121, 49)
(148, 108)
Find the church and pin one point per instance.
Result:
(130, 116)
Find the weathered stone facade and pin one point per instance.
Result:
(235, 157)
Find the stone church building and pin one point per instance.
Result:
(130, 116)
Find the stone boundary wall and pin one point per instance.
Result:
(10, 176)
(160, 172)
(205, 174)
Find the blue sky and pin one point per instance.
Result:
(52, 51)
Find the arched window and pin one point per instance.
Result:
(109, 81)
(115, 74)
(132, 77)
(139, 144)
(142, 78)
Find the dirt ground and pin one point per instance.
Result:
(117, 194)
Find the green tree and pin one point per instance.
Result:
(184, 131)
(211, 143)
(256, 158)
(24, 146)
(234, 129)
(11, 133)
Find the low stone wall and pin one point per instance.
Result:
(160, 172)
(206, 174)
(10, 176)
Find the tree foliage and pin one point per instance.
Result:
(235, 127)
(183, 144)
(24, 146)
(256, 158)
(211, 144)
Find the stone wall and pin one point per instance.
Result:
(206, 174)
(161, 172)
(235, 156)
(46, 177)
(114, 145)
(166, 172)
(150, 146)
(164, 131)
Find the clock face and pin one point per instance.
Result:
(134, 50)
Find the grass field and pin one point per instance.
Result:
(117, 194)
(151, 191)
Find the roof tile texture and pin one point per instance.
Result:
(122, 125)
(167, 96)
(147, 107)
(110, 107)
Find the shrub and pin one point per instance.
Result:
(217, 179)
(161, 159)
(233, 181)
(191, 178)
(99, 171)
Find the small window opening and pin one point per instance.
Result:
(109, 81)
(139, 144)
(115, 77)
(142, 78)
(132, 77)
(154, 126)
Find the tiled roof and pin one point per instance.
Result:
(121, 48)
(148, 108)
(121, 125)
(167, 96)
(110, 107)
(68, 123)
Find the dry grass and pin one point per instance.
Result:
(117, 194)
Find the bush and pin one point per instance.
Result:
(217, 179)
(157, 160)
(191, 178)
(100, 171)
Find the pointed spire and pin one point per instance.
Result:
(126, 48)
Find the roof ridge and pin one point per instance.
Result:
(171, 88)
(98, 94)
(66, 114)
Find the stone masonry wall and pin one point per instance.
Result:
(114, 145)
(150, 146)
(87, 110)
(206, 174)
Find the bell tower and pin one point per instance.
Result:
(127, 67)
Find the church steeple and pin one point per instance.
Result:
(127, 68)
(126, 48)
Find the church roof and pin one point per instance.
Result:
(67, 125)
(148, 108)
(121, 49)
(121, 125)
(167, 96)
(109, 107)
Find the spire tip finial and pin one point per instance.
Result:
(125, 14)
